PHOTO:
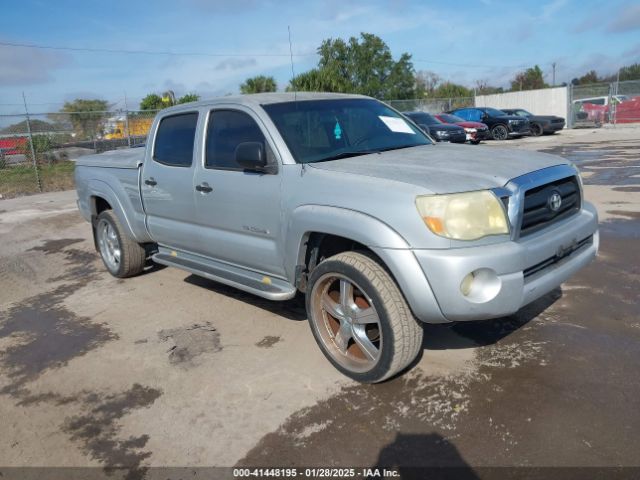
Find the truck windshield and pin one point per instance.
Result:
(322, 130)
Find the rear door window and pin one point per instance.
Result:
(175, 139)
(464, 113)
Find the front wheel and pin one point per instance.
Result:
(122, 256)
(536, 129)
(360, 319)
(500, 132)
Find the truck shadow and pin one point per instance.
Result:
(293, 309)
(436, 337)
(484, 332)
(422, 456)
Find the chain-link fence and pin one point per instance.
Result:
(37, 151)
(600, 103)
(431, 105)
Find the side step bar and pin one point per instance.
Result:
(246, 280)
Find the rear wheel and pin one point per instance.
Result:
(122, 255)
(500, 132)
(360, 319)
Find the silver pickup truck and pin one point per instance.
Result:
(341, 198)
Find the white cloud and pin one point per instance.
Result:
(29, 66)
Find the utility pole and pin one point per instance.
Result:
(126, 120)
(33, 150)
(553, 65)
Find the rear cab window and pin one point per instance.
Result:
(175, 140)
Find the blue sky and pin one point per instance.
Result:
(461, 40)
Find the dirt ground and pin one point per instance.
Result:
(167, 369)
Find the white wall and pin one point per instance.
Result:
(547, 101)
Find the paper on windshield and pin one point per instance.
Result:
(396, 124)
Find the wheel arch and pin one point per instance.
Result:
(103, 197)
(316, 230)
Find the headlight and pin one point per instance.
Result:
(470, 130)
(514, 122)
(442, 133)
(463, 216)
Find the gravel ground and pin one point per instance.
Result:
(167, 369)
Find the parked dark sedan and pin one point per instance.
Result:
(501, 125)
(439, 131)
(540, 124)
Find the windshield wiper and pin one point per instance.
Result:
(347, 154)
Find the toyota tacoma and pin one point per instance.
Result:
(345, 200)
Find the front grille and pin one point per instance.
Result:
(538, 212)
(532, 270)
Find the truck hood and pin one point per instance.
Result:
(445, 168)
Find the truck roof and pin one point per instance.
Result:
(255, 99)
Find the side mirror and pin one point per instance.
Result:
(252, 156)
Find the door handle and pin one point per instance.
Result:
(204, 188)
(151, 181)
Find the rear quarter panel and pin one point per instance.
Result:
(120, 188)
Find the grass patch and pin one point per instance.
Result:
(19, 180)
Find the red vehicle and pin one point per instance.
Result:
(12, 145)
(475, 131)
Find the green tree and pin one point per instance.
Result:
(86, 116)
(37, 126)
(531, 79)
(360, 65)
(258, 84)
(452, 90)
(426, 83)
(483, 88)
(630, 72)
(187, 98)
(152, 101)
(310, 81)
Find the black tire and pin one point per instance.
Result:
(400, 334)
(474, 142)
(132, 255)
(536, 129)
(500, 132)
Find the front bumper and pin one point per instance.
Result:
(453, 138)
(553, 127)
(513, 273)
(478, 135)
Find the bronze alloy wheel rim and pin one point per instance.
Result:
(347, 322)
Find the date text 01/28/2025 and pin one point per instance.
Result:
(315, 472)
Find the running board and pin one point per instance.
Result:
(246, 280)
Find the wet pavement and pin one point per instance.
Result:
(170, 369)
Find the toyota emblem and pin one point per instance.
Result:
(554, 202)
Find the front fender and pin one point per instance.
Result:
(381, 238)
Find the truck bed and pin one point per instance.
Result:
(126, 158)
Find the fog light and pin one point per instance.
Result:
(481, 285)
(465, 286)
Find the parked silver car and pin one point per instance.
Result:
(343, 199)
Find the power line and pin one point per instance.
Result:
(469, 65)
(151, 52)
